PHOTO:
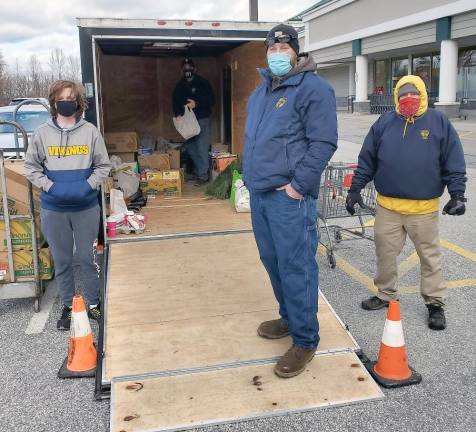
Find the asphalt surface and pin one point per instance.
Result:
(32, 398)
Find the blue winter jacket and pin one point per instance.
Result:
(413, 162)
(291, 132)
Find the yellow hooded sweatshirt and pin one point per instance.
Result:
(409, 206)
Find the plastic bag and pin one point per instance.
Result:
(118, 206)
(242, 197)
(187, 125)
(235, 176)
(128, 182)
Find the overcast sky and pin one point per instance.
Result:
(36, 26)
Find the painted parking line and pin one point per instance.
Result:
(460, 283)
(38, 321)
(352, 271)
(458, 250)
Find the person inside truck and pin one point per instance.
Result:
(67, 160)
(196, 93)
(290, 136)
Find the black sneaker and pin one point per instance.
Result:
(201, 182)
(64, 323)
(94, 313)
(436, 318)
(374, 303)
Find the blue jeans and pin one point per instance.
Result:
(285, 230)
(198, 148)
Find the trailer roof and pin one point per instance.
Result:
(126, 23)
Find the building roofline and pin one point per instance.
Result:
(307, 11)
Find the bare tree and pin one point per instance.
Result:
(73, 68)
(57, 63)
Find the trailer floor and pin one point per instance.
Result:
(181, 319)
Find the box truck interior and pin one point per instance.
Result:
(137, 77)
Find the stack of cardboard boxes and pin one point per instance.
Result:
(20, 229)
(160, 173)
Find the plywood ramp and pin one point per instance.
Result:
(195, 302)
(218, 396)
(207, 341)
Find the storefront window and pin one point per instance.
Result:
(399, 69)
(381, 76)
(467, 74)
(421, 68)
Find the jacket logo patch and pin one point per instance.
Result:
(425, 133)
(280, 103)
(77, 150)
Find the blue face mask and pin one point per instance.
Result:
(279, 63)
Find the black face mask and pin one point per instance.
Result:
(66, 108)
(188, 75)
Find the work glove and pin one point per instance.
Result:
(455, 206)
(353, 198)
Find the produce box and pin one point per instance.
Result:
(17, 189)
(167, 183)
(121, 142)
(23, 265)
(174, 157)
(20, 233)
(155, 162)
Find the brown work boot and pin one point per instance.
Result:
(274, 329)
(293, 362)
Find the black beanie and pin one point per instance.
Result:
(283, 29)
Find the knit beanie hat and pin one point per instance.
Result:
(283, 29)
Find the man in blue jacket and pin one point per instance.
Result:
(411, 154)
(291, 134)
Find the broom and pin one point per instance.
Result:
(221, 187)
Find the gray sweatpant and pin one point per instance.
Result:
(63, 231)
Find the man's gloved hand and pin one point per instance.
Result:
(455, 206)
(353, 198)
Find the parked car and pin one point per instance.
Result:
(16, 101)
(29, 116)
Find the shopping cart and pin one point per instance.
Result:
(331, 205)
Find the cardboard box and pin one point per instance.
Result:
(20, 233)
(174, 157)
(125, 157)
(17, 189)
(121, 142)
(167, 183)
(23, 265)
(154, 162)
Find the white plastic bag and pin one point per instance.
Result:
(242, 197)
(118, 206)
(128, 182)
(187, 125)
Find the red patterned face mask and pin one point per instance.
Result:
(408, 106)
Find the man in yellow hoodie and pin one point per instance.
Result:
(411, 154)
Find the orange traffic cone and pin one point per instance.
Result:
(391, 368)
(82, 355)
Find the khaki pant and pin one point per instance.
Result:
(391, 229)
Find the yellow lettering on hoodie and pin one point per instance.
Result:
(76, 150)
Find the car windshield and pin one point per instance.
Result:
(30, 120)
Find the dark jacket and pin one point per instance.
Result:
(199, 90)
(291, 131)
(415, 165)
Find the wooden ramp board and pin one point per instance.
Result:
(177, 402)
(183, 303)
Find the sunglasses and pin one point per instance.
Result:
(279, 39)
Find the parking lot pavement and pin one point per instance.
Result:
(32, 398)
